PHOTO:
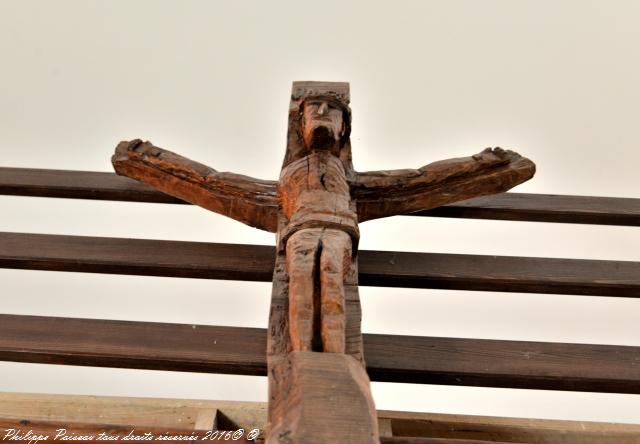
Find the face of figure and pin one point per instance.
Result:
(322, 125)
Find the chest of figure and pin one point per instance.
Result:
(314, 183)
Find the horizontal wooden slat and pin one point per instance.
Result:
(78, 185)
(525, 430)
(199, 348)
(136, 257)
(377, 268)
(545, 208)
(507, 206)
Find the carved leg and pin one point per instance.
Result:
(302, 248)
(334, 264)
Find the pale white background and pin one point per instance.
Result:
(557, 81)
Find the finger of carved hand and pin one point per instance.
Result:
(495, 156)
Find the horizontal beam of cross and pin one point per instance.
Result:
(377, 268)
(412, 359)
(506, 206)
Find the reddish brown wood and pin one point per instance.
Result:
(316, 206)
(248, 200)
(387, 193)
(317, 397)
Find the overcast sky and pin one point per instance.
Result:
(556, 81)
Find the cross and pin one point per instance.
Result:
(319, 391)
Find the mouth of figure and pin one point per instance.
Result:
(322, 137)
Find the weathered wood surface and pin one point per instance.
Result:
(192, 414)
(419, 440)
(376, 268)
(315, 207)
(318, 386)
(495, 429)
(504, 206)
(390, 358)
(245, 199)
(36, 431)
(40, 431)
(73, 431)
(180, 413)
(387, 193)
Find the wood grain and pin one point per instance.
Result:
(376, 268)
(178, 413)
(427, 360)
(140, 412)
(396, 192)
(504, 206)
(418, 440)
(319, 390)
(90, 432)
(497, 429)
(245, 199)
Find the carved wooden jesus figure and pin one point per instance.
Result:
(315, 208)
(322, 227)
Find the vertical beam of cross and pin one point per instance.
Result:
(318, 387)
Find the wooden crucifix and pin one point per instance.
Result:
(318, 387)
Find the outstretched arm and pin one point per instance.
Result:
(248, 200)
(387, 193)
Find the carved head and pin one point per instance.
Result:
(323, 123)
(319, 120)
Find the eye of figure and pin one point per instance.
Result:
(315, 103)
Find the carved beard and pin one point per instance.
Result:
(322, 135)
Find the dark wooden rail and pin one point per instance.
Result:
(508, 206)
(200, 348)
(377, 268)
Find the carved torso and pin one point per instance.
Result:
(314, 192)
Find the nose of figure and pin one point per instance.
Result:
(322, 109)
